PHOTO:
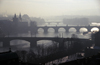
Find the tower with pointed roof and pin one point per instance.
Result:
(20, 19)
(15, 19)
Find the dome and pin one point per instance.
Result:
(25, 16)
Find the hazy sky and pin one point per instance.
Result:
(39, 8)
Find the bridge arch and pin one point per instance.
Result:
(40, 30)
(51, 30)
(94, 29)
(32, 40)
(83, 29)
(48, 42)
(45, 43)
(18, 43)
(61, 29)
(72, 29)
(46, 39)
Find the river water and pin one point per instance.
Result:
(24, 45)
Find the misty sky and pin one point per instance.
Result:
(39, 8)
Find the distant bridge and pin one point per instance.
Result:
(33, 40)
(23, 27)
(67, 28)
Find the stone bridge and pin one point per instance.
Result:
(56, 28)
(33, 40)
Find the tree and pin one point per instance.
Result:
(31, 56)
(75, 42)
(77, 46)
(22, 55)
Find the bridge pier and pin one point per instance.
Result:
(77, 29)
(67, 29)
(45, 31)
(56, 30)
(6, 43)
(89, 29)
(33, 44)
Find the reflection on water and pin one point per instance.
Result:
(22, 44)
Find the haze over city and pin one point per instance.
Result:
(41, 8)
(49, 32)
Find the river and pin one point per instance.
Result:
(24, 45)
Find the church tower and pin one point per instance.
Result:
(15, 19)
(20, 19)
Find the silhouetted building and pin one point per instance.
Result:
(1, 33)
(6, 26)
(22, 27)
(15, 19)
(33, 26)
(96, 48)
(20, 18)
(9, 58)
(16, 25)
(97, 38)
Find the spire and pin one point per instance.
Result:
(20, 15)
(20, 19)
(15, 19)
(15, 16)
